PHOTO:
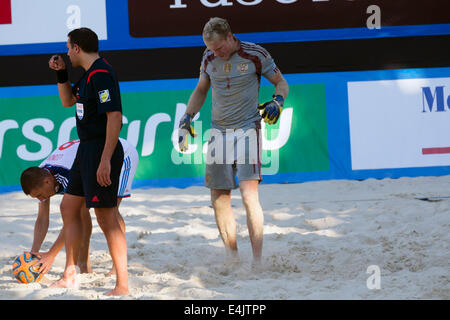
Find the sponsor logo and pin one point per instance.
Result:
(32, 136)
(104, 96)
(176, 15)
(271, 142)
(433, 99)
(414, 116)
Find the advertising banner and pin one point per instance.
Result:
(399, 123)
(187, 17)
(33, 123)
(343, 125)
(37, 27)
(45, 21)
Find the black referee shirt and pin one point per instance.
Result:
(97, 92)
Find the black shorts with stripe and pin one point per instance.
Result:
(83, 181)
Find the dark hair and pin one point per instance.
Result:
(32, 178)
(85, 38)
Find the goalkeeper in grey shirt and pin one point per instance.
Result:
(234, 68)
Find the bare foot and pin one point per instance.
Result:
(69, 283)
(69, 280)
(117, 291)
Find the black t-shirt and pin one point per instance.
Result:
(97, 92)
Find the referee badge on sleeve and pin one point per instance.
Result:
(104, 96)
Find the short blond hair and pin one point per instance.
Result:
(216, 27)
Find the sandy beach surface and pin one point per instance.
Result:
(322, 240)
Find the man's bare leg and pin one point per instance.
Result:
(70, 211)
(83, 261)
(226, 223)
(122, 227)
(115, 237)
(255, 216)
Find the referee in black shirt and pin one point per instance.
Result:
(96, 169)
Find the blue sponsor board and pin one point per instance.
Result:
(119, 36)
(430, 99)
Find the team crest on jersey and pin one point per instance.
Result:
(242, 67)
(227, 67)
(80, 111)
(104, 96)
